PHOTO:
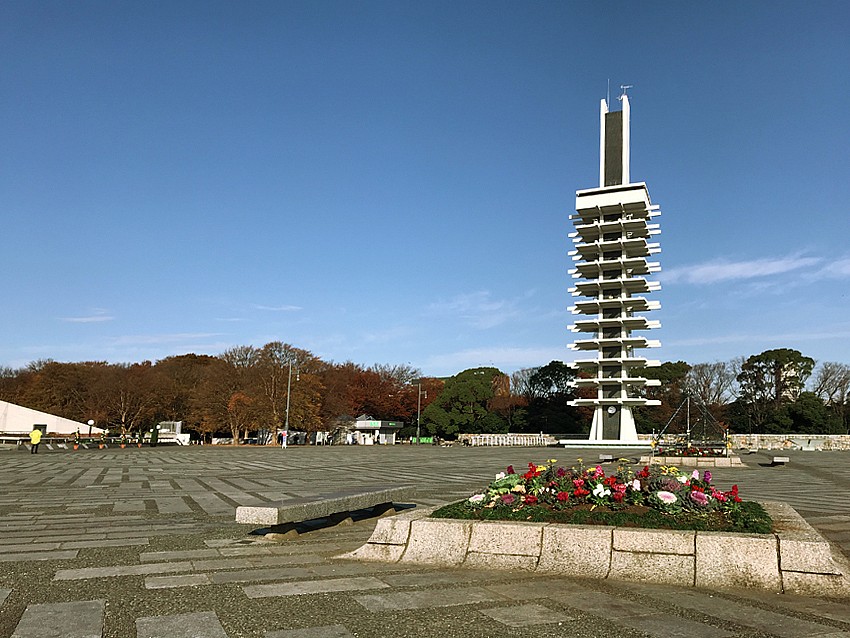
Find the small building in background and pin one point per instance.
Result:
(16, 420)
(368, 431)
(172, 432)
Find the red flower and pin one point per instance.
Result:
(563, 497)
(511, 469)
(617, 496)
(530, 499)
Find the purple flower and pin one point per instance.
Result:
(706, 476)
(699, 498)
(508, 499)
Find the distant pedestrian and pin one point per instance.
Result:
(35, 439)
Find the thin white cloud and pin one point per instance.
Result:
(391, 334)
(283, 308)
(160, 339)
(838, 269)
(477, 309)
(788, 337)
(717, 271)
(97, 315)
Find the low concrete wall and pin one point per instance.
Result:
(811, 442)
(794, 559)
(733, 460)
(529, 440)
(784, 441)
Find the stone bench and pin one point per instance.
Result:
(335, 504)
(780, 460)
(606, 458)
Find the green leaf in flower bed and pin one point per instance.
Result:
(748, 517)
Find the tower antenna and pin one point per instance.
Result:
(608, 97)
(625, 87)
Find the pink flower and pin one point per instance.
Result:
(508, 499)
(699, 498)
(668, 498)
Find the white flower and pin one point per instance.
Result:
(636, 485)
(682, 479)
(475, 500)
(500, 476)
(695, 475)
(600, 491)
(668, 498)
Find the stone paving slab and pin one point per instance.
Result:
(401, 600)
(314, 587)
(181, 580)
(81, 619)
(526, 615)
(121, 570)
(38, 556)
(197, 625)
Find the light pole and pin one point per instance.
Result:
(90, 423)
(419, 407)
(288, 388)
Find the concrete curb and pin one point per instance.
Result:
(794, 559)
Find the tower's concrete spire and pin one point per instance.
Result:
(614, 143)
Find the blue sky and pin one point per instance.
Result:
(391, 182)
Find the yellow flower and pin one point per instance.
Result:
(552, 460)
(518, 488)
(542, 468)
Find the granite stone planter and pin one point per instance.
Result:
(690, 462)
(793, 559)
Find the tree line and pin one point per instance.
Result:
(246, 390)
(243, 391)
(776, 391)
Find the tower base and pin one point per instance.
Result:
(613, 427)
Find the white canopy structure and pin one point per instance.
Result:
(18, 420)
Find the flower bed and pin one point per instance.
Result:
(655, 496)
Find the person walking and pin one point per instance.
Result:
(35, 439)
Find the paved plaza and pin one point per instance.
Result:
(126, 543)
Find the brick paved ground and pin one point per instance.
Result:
(141, 542)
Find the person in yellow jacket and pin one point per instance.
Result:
(35, 439)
